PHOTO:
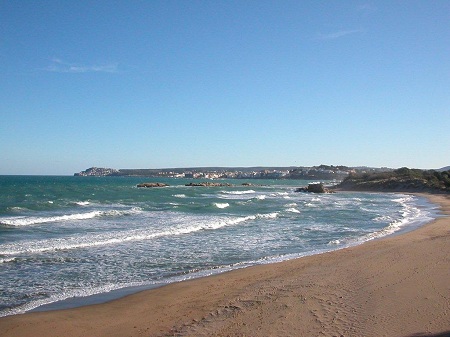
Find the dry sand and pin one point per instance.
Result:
(398, 286)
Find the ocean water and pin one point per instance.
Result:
(68, 238)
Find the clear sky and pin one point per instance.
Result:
(156, 84)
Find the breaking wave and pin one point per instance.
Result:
(114, 238)
(30, 220)
(239, 192)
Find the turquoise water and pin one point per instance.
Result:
(72, 237)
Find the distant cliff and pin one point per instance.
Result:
(400, 180)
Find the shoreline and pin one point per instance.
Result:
(118, 293)
(394, 286)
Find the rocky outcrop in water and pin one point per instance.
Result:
(149, 185)
(314, 188)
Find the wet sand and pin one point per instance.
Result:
(397, 286)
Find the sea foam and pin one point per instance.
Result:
(114, 238)
(221, 204)
(29, 220)
(292, 210)
(239, 192)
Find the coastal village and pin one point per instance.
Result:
(323, 172)
(347, 178)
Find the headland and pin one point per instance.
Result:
(321, 172)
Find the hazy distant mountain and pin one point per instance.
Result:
(444, 169)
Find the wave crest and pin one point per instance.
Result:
(27, 221)
(221, 204)
(113, 238)
(238, 192)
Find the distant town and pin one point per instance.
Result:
(322, 172)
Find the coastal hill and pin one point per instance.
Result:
(400, 180)
(322, 172)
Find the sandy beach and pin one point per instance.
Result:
(397, 286)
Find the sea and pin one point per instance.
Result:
(69, 241)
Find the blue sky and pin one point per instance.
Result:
(155, 84)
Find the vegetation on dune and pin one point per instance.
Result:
(402, 179)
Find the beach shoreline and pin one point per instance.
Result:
(104, 297)
(395, 286)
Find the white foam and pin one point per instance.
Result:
(70, 243)
(268, 216)
(6, 260)
(402, 199)
(292, 210)
(28, 220)
(114, 238)
(221, 204)
(334, 242)
(383, 218)
(238, 192)
(16, 209)
(179, 195)
(282, 193)
(82, 203)
(409, 214)
(84, 292)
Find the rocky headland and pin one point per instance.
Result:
(400, 180)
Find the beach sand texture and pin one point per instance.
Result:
(397, 286)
